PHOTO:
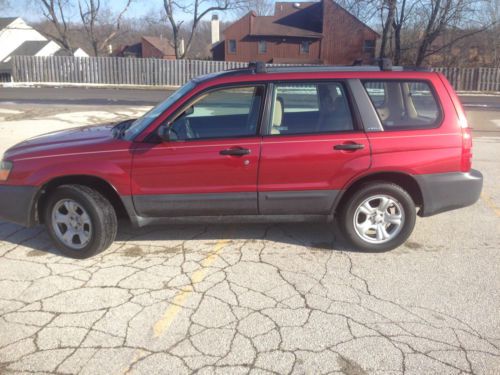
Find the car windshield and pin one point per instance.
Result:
(143, 122)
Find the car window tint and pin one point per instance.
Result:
(310, 108)
(228, 112)
(404, 104)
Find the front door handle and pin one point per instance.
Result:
(235, 151)
(349, 147)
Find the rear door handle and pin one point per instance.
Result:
(235, 151)
(349, 147)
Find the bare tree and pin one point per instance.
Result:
(198, 9)
(260, 7)
(55, 11)
(91, 15)
(364, 10)
(441, 15)
(404, 11)
(389, 7)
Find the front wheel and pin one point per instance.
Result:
(80, 220)
(379, 216)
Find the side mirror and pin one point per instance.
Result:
(189, 111)
(166, 133)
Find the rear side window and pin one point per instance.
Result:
(310, 108)
(404, 104)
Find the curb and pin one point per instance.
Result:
(84, 85)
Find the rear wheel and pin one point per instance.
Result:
(379, 216)
(80, 220)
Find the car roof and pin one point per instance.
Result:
(304, 73)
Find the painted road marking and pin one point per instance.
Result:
(490, 203)
(163, 324)
(496, 122)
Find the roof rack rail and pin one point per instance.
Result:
(260, 67)
(381, 65)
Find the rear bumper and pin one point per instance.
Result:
(448, 191)
(16, 204)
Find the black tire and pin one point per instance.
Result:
(102, 215)
(364, 192)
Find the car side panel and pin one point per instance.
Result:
(111, 162)
(425, 151)
(304, 174)
(193, 178)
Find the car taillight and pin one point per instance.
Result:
(466, 163)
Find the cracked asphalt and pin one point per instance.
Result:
(258, 299)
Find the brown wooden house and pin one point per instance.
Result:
(309, 32)
(149, 47)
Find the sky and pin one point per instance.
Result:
(32, 13)
(139, 8)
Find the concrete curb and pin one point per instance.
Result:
(84, 85)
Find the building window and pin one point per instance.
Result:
(369, 46)
(232, 46)
(304, 47)
(262, 46)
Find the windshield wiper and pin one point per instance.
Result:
(120, 128)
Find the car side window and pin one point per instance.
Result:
(404, 104)
(221, 113)
(310, 108)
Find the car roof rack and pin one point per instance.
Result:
(260, 67)
(381, 65)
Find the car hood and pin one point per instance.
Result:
(59, 142)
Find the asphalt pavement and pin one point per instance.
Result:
(254, 299)
(150, 96)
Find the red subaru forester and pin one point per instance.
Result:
(367, 147)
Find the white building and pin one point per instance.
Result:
(17, 38)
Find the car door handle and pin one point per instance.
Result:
(235, 151)
(349, 147)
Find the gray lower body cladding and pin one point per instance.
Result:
(16, 204)
(448, 191)
(314, 202)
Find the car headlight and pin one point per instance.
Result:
(5, 168)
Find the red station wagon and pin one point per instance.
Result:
(365, 147)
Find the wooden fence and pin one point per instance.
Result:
(156, 72)
(472, 79)
(113, 70)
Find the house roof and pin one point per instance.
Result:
(293, 19)
(6, 21)
(355, 18)
(161, 44)
(290, 20)
(29, 48)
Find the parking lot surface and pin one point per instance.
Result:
(252, 298)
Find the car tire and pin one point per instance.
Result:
(80, 221)
(377, 217)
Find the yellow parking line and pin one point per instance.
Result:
(490, 203)
(180, 299)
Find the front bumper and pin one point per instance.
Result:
(16, 204)
(448, 191)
